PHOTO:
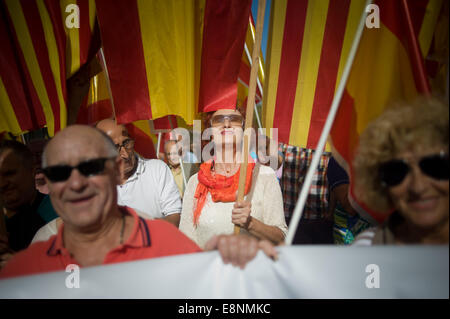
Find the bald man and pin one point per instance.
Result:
(147, 185)
(82, 169)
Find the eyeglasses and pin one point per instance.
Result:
(128, 144)
(394, 172)
(60, 173)
(234, 119)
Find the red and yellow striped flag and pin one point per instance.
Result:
(307, 48)
(98, 102)
(39, 55)
(165, 56)
(98, 107)
(15, 111)
(224, 35)
(388, 67)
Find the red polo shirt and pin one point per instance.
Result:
(149, 239)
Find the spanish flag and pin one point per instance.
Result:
(388, 67)
(39, 52)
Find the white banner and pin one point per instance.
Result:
(300, 272)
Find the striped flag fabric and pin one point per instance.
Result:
(224, 35)
(307, 48)
(98, 106)
(388, 67)
(15, 111)
(98, 102)
(78, 40)
(39, 54)
(168, 57)
(145, 141)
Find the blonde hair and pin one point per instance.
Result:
(404, 126)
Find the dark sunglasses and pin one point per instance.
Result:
(394, 172)
(60, 173)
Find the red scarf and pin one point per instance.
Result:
(222, 189)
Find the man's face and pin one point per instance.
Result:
(83, 202)
(172, 154)
(120, 137)
(16, 181)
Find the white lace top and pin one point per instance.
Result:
(215, 219)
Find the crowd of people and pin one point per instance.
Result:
(107, 204)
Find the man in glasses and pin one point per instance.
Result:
(83, 169)
(25, 209)
(146, 185)
(173, 155)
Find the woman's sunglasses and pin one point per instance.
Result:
(394, 172)
(60, 173)
(234, 119)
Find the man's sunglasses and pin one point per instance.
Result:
(394, 172)
(128, 144)
(60, 173)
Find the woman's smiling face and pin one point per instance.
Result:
(420, 198)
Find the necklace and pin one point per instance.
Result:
(123, 228)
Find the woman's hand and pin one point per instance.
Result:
(240, 215)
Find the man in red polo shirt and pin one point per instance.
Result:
(82, 168)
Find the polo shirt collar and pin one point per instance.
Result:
(139, 169)
(140, 235)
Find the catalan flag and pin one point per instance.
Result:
(98, 106)
(40, 54)
(388, 67)
(167, 57)
(307, 48)
(98, 102)
(13, 101)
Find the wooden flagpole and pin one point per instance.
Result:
(247, 52)
(250, 102)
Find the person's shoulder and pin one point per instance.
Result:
(154, 163)
(365, 238)
(150, 161)
(153, 167)
(40, 246)
(26, 262)
(165, 233)
(266, 174)
(193, 179)
(266, 170)
(46, 231)
(159, 223)
(161, 227)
